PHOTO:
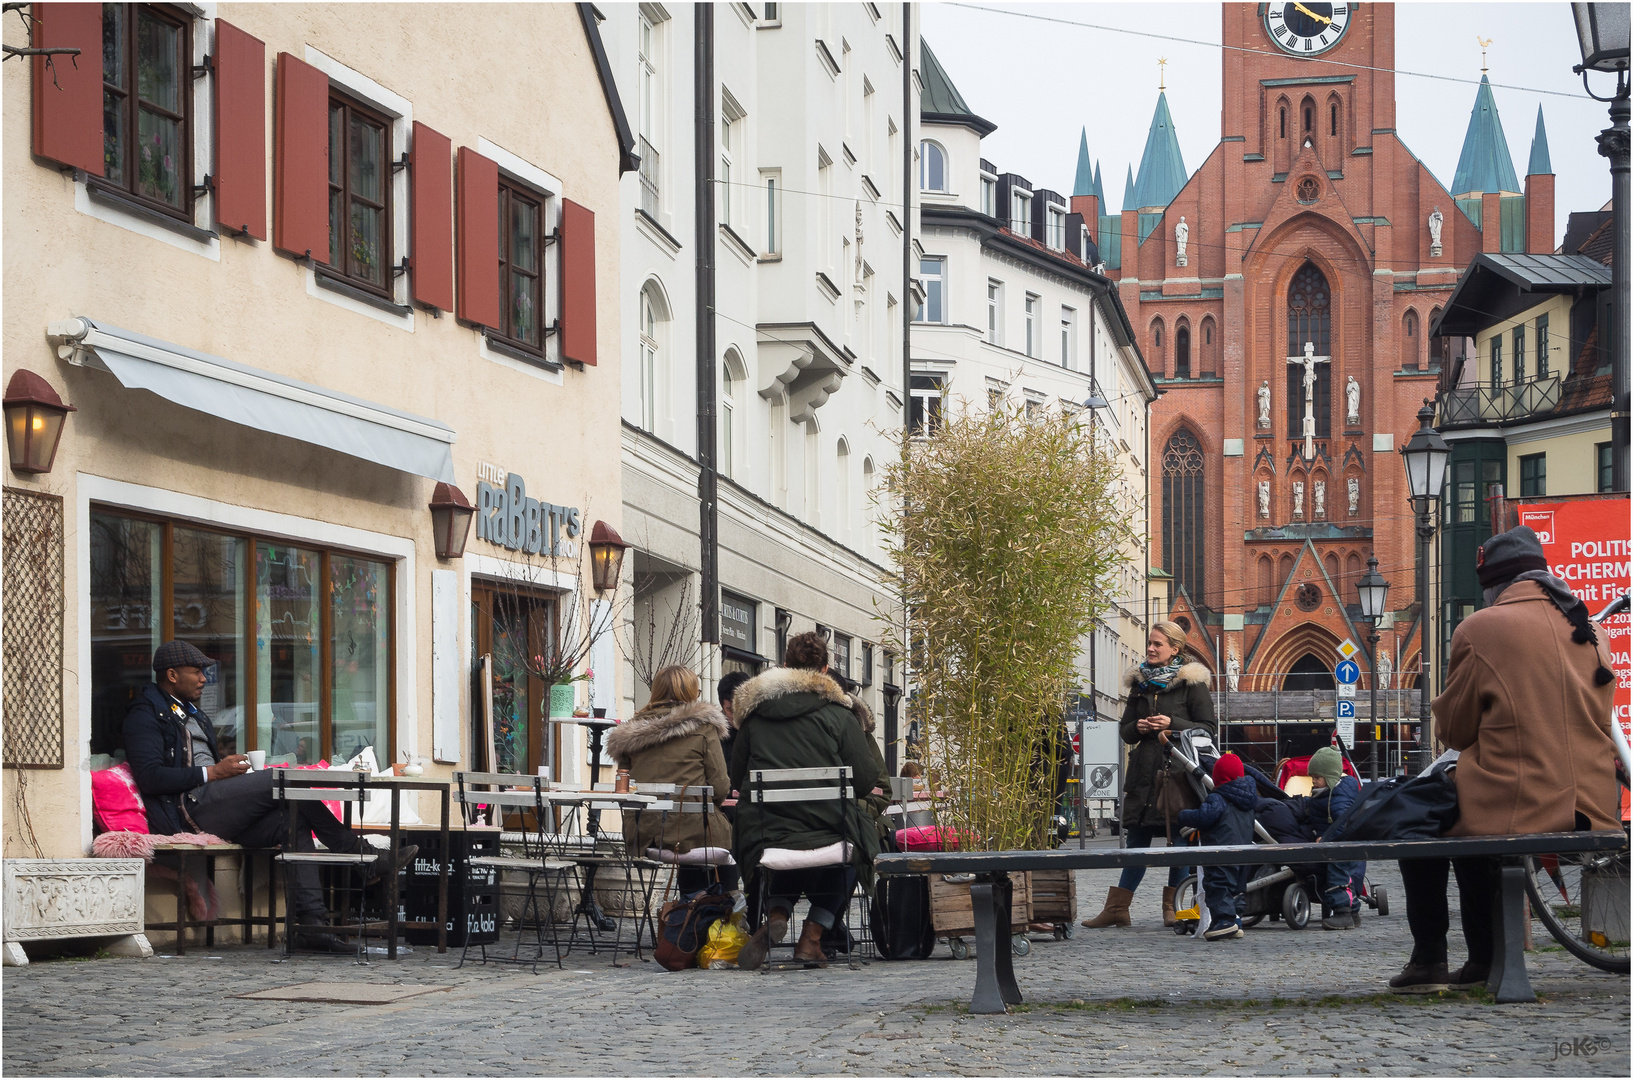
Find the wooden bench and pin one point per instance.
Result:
(184, 854)
(995, 974)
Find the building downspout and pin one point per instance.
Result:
(907, 335)
(708, 488)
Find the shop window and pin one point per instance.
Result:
(511, 625)
(147, 106)
(302, 634)
(841, 665)
(521, 266)
(360, 222)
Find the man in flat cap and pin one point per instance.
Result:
(1527, 703)
(188, 785)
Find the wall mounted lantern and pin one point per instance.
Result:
(451, 515)
(34, 416)
(606, 557)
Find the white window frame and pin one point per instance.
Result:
(925, 145)
(1020, 212)
(651, 356)
(733, 123)
(1031, 308)
(995, 311)
(1054, 232)
(1068, 337)
(771, 186)
(989, 194)
(939, 277)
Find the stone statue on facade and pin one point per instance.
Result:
(1298, 498)
(1182, 236)
(1264, 498)
(1352, 401)
(1354, 496)
(1264, 404)
(1436, 219)
(1233, 672)
(1386, 667)
(1320, 499)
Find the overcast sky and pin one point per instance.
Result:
(1041, 82)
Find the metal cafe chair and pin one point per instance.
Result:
(766, 786)
(519, 793)
(678, 800)
(355, 865)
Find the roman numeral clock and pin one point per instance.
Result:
(1306, 29)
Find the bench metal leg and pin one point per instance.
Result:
(181, 904)
(994, 966)
(1508, 981)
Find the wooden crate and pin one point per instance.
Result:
(1054, 896)
(953, 915)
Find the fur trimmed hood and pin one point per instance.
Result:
(1192, 672)
(645, 732)
(780, 682)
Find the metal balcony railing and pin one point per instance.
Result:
(651, 188)
(1485, 403)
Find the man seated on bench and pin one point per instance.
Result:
(1527, 701)
(189, 785)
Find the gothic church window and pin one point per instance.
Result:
(1182, 353)
(1309, 320)
(1182, 512)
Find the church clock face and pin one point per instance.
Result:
(1306, 29)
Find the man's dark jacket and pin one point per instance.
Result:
(156, 749)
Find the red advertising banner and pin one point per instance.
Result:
(1587, 544)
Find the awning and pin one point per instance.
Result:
(262, 399)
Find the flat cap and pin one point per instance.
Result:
(179, 654)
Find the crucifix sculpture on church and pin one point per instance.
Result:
(1308, 361)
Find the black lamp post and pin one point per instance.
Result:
(1093, 403)
(1603, 32)
(1425, 456)
(1374, 591)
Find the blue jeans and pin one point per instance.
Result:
(1222, 889)
(1139, 837)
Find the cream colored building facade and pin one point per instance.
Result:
(302, 556)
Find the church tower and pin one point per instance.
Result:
(1282, 295)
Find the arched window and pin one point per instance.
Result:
(1156, 333)
(1210, 352)
(1284, 570)
(932, 166)
(1334, 129)
(1409, 342)
(729, 383)
(1332, 569)
(1309, 118)
(842, 490)
(867, 502)
(1267, 581)
(654, 314)
(1182, 512)
(1182, 352)
(813, 494)
(1352, 571)
(1309, 321)
(1310, 672)
(1283, 128)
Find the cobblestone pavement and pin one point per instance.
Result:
(1130, 1001)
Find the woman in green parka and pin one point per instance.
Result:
(797, 717)
(1164, 694)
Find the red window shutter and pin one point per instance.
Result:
(68, 121)
(300, 191)
(431, 224)
(478, 239)
(577, 282)
(240, 130)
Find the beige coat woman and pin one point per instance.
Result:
(677, 746)
(1533, 725)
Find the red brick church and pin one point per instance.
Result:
(1283, 292)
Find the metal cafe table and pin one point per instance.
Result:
(571, 803)
(396, 785)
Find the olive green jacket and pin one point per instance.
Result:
(1188, 704)
(789, 718)
(680, 746)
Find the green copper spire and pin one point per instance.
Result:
(1128, 190)
(1099, 189)
(1084, 184)
(1540, 165)
(1485, 164)
(1162, 168)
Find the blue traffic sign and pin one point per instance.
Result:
(1346, 710)
(1348, 671)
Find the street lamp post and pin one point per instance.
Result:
(1603, 32)
(1093, 403)
(1374, 592)
(1425, 457)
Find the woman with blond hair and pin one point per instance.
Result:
(1164, 694)
(675, 739)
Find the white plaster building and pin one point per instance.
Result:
(805, 117)
(1015, 311)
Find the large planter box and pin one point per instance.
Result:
(53, 899)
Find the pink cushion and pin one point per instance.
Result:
(116, 802)
(927, 838)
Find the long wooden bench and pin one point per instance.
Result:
(247, 919)
(995, 985)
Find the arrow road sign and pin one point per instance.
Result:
(1348, 671)
(1346, 710)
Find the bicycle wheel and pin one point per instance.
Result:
(1582, 900)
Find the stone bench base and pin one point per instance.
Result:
(54, 899)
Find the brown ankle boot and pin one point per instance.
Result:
(1115, 913)
(1168, 906)
(809, 948)
(755, 949)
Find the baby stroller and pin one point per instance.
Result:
(1274, 891)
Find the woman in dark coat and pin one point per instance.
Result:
(1164, 694)
(796, 717)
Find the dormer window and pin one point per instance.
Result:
(1020, 212)
(1055, 228)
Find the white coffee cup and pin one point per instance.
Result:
(257, 760)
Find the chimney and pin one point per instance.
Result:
(1491, 222)
(1539, 214)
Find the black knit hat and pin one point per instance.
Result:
(178, 654)
(1508, 555)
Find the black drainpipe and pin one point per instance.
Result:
(708, 488)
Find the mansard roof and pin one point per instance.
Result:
(1162, 166)
(1485, 164)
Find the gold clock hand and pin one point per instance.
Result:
(1311, 14)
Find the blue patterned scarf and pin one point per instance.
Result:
(1158, 678)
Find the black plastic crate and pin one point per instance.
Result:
(473, 894)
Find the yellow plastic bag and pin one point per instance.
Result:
(726, 938)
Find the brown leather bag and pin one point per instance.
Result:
(1172, 792)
